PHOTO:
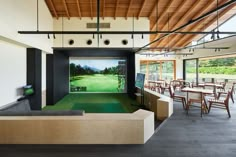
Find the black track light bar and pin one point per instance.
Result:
(119, 32)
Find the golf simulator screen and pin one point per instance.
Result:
(100, 75)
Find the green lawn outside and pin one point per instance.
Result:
(97, 82)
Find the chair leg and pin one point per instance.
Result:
(227, 108)
(187, 107)
(201, 109)
(232, 97)
(183, 103)
(209, 107)
(205, 103)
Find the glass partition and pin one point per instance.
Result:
(167, 70)
(190, 70)
(211, 69)
(217, 69)
(158, 70)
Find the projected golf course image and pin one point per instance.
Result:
(98, 75)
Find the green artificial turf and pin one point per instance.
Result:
(97, 82)
(96, 103)
(99, 107)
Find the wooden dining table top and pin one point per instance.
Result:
(211, 84)
(204, 91)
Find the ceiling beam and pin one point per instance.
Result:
(78, 7)
(180, 7)
(127, 13)
(66, 9)
(193, 27)
(190, 22)
(182, 20)
(103, 9)
(141, 9)
(184, 41)
(163, 13)
(91, 8)
(154, 9)
(53, 9)
(116, 8)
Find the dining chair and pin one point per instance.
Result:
(177, 97)
(222, 88)
(196, 99)
(164, 87)
(229, 90)
(176, 84)
(219, 103)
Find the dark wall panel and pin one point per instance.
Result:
(61, 75)
(34, 76)
(57, 77)
(131, 75)
(49, 80)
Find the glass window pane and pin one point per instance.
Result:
(220, 69)
(191, 70)
(157, 70)
(168, 70)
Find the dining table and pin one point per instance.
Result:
(213, 85)
(197, 95)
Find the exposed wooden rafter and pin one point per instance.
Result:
(141, 9)
(91, 9)
(127, 13)
(154, 8)
(182, 20)
(184, 41)
(66, 9)
(78, 7)
(103, 9)
(53, 9)
(203, 10)
(163, 14)
(116, 8)
(180, 7)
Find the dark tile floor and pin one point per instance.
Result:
(213, 135)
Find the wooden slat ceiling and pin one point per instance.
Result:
(178, 12)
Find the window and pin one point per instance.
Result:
(190, 70)
(217, 69)
(211, 69)
(158, 70)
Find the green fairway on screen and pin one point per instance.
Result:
(98, 75)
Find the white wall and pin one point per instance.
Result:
(13, 72)
(120, 24)
(21, 15)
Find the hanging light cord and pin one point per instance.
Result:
(218, 20)
(157, 15)
(62, 28)
(37, 15)
(168, 39)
